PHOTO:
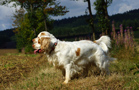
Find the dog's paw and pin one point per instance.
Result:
(65, 82)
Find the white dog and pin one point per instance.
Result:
(73, 57)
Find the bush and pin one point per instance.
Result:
(28, 48)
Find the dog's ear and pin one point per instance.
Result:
(45, 43)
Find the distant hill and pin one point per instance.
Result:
(82, 20)
(129, 15)
(7, 39)
(78, 26)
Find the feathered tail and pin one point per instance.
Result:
(104, 42)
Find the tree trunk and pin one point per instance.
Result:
(45, 24)
(107, 18)
(44, 18)
(91, 18)
(31, 9)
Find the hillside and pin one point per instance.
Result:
(82, 20)
(7, 39)
(78, 26)
(129, 15)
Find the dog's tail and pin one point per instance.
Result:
(104, 42)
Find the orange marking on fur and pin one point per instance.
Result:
(39, 41)
(94, 41)
(45, 42)
(42, 34)
(78, 52)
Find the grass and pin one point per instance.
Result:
(32, 72)
(6, 51)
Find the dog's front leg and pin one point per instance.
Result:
(68, 74)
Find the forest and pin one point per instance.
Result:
(78, 26)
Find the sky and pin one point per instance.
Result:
(76, 8)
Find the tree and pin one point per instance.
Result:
(36, 19)
(22, 31)
(91, 20)
(102, 15)
(46, 7)
(18, 17)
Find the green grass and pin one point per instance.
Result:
(136, 34)
(33, 72)
(20, 54)
(122, 77)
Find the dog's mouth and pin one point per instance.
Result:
(38, 51)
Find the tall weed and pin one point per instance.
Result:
(123, 41)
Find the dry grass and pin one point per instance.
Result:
(6, 51)
(32, 72)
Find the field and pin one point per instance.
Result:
(32, 72)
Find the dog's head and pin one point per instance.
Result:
(41, 44)
(44, 42)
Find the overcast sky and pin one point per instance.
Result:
(76, 8)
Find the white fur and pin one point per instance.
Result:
(104, 42)
(73, 57)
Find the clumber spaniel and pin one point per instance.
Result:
(73, 57)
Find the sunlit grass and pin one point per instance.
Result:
(21, 54)
(33, 72)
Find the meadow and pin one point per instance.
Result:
(20, 71)
(32, 72)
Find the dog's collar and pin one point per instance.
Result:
(53, 47)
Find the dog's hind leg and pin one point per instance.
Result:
(106, 67)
